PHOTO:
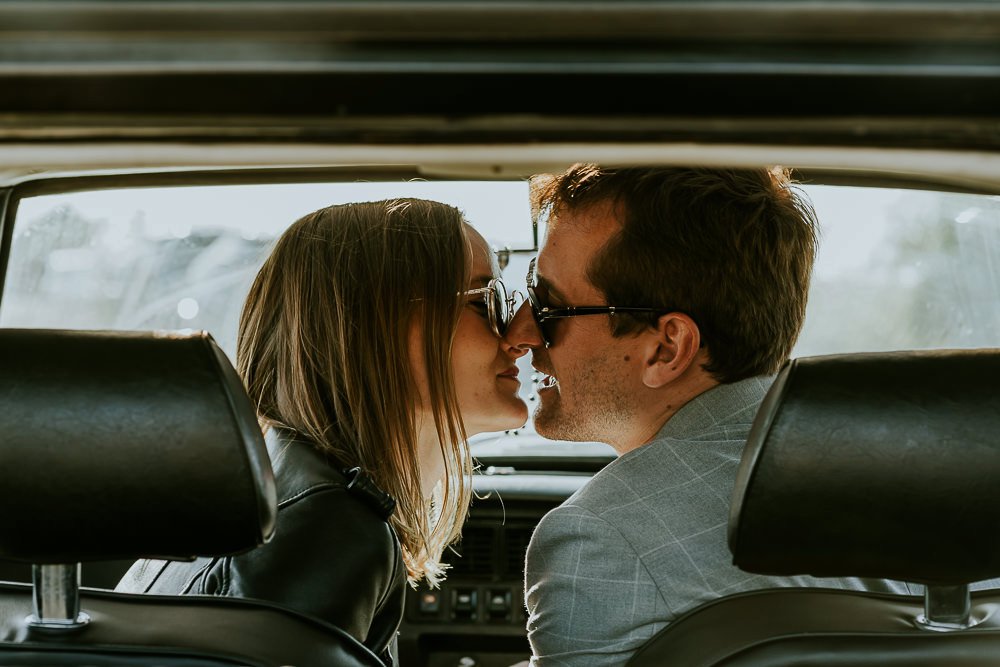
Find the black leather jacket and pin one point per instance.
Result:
(333, 555)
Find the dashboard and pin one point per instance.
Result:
(477, 616)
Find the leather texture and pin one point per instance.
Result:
(805, 627)
(333, 555)
(117, 445)
(133, 444)
(174, 630)
(875, 465)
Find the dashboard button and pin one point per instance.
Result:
(498, 603)
(430, 602)
(465, 603)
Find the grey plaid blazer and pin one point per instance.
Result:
(645, 539)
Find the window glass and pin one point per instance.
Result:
(903, 269)
(184, 258)
(897, 269)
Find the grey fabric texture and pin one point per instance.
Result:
(645, 540)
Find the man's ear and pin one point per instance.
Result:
(671, 349)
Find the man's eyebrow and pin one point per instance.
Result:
(550, 289)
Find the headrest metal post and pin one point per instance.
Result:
(946, 608)
(56, 597)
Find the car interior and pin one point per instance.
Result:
(150, 152)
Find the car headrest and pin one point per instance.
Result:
(875, 465)
(119, 445)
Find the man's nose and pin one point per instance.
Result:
(523, 333)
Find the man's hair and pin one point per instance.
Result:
(731, 248)
(323, 349)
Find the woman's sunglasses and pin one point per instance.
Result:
(499, 305)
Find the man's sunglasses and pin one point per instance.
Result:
(499, 306)
(543, 314)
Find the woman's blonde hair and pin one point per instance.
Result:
(323, 348)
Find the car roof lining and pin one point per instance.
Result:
(46, 168)
(434, 20)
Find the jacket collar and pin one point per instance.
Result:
(299, 465)
(715, 407)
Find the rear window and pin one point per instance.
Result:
(897, 268)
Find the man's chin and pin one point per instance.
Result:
(552, 422)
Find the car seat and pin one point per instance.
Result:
(120, 445)
(879, 465)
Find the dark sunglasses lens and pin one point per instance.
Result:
(536, 308)
(500, 307)
(536, 314)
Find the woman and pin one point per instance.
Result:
(370, 343)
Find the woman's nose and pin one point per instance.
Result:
(522, 334)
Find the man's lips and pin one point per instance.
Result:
(545, 380)
(509, 373)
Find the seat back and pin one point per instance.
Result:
(174, 630)
(867, 465)
(126, 445)
(809, 627)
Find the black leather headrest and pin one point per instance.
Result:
(121, 445)
(875, 465)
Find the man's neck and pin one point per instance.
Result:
(649, 421)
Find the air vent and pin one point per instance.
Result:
(516, 540)
(490, 551)
(475, 557)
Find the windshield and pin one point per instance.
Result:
(897, 269)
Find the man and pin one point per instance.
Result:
(662, 303)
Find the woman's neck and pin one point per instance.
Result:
(430, 455)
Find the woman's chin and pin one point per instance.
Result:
(517, 413)
(512, 417)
